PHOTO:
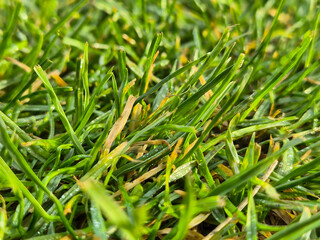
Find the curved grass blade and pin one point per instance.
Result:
(42, 75)
(150, 59)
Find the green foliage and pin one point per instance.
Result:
(159, 119)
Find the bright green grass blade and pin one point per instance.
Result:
(150, 59)
(314, 37)
(232, 154)
(171, 76)
(251, 226)
(213, 54)
(27, 169)
(91, 104)
(123, 71)
(59, 108)
(208, 129)
(201, 110)
(16, 183)
(277, 77)
(84, 65)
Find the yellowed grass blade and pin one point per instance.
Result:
(119, 125)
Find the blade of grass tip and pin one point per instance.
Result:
(150, 59)
(248, 159)
(212, 81)
(84, 75)
(109, 207)
(277, 77)
(123, 73)
(212, 55)
(235, 98)
(206, 111)
(119, 125)
(212, 124)
(10, 27)
(14, 152)
(251, 226)
(314, 37)
(21, 65)
(6, 171)
(171, 76)
(42, 75)
(92, 102)
(232, 154)
(63, 20)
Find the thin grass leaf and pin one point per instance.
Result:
(59, 108)
(150, 60)
(251, 226)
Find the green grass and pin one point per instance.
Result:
(168, 119)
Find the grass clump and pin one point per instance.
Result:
(159, 119)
